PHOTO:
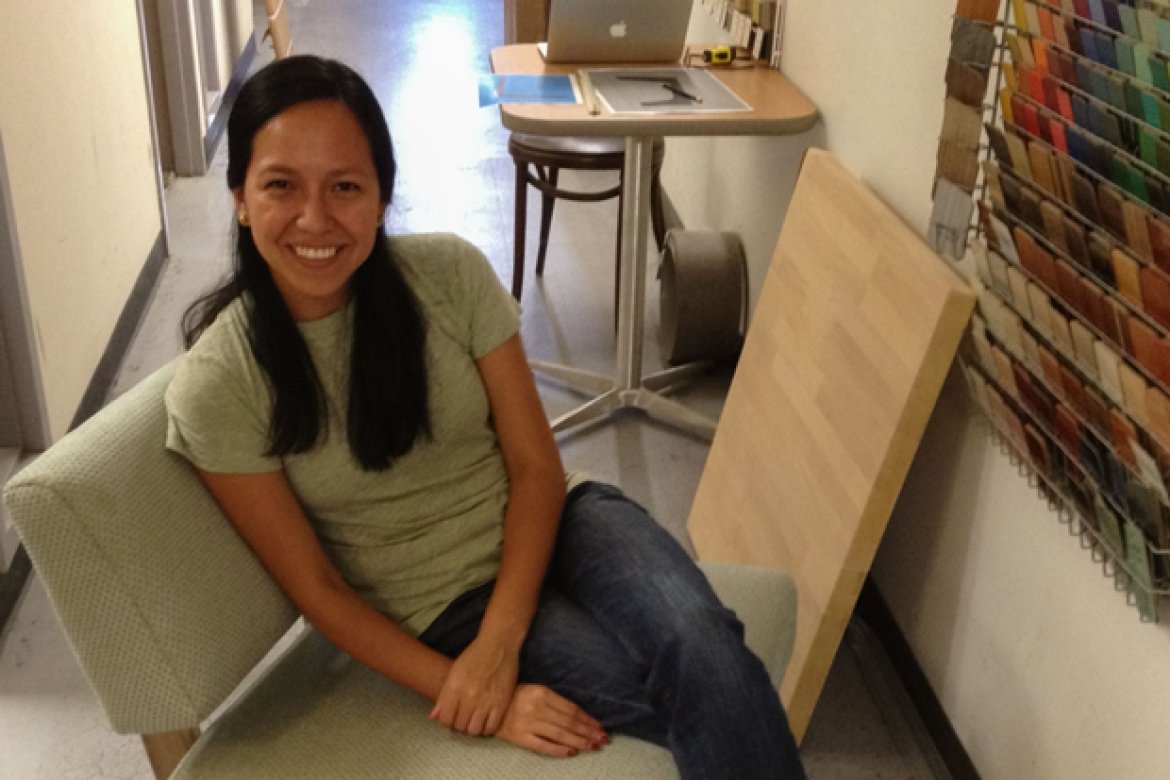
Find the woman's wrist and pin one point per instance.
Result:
(513, 602)
(503, 629)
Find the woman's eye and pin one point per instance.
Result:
(277, 184)
(348, 186)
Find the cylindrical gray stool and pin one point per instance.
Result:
(703, 289)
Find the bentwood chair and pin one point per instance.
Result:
(167, 611)
(539, 160)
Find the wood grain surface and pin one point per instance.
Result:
(856, 327)
(777, 107)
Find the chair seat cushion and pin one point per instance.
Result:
(319, 714)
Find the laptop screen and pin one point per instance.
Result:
(617, 30)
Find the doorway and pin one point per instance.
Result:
(23, 420)
(198, 52)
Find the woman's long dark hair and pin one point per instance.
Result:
(388, 379)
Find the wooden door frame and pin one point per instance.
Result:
(16, 324)
(524, 20)
(17, 330)
(183, 74)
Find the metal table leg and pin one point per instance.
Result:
(628, 388)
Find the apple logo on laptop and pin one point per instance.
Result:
(617, 30)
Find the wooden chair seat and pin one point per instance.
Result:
(581, 152)
(539, 160)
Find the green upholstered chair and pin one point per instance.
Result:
(168, 611)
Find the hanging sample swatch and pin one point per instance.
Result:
(1072, 344)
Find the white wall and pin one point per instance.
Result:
(1043, 669)
(738, 184)
(73, 108)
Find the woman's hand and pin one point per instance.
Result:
(545, 722)
(479, 687)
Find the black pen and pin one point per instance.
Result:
(668, 84)
(683, 93)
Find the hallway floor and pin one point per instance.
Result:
(423, 60)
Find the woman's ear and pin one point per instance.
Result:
(241, 209)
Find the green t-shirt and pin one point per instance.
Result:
(408, 539)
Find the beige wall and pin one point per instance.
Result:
(73, 109)
(1043, 669)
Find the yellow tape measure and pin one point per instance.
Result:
(717, 55)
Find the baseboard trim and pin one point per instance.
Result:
(872, 608)
(12, 585)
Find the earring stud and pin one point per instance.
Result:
(243, 217)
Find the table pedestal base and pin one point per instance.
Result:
(627, 388)
(609, 397)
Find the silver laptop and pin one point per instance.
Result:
(616, 30)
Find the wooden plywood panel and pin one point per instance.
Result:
(856, 327)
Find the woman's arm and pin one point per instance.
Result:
(536, 490)
(479, 688)
(265, 512)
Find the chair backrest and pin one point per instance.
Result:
(165, 606)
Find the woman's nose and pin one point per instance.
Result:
(314, 213)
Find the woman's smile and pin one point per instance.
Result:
(315, 254)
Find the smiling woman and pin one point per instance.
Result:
(312, 203)
(360, 407)
(311, 168)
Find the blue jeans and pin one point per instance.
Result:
(629, 629)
